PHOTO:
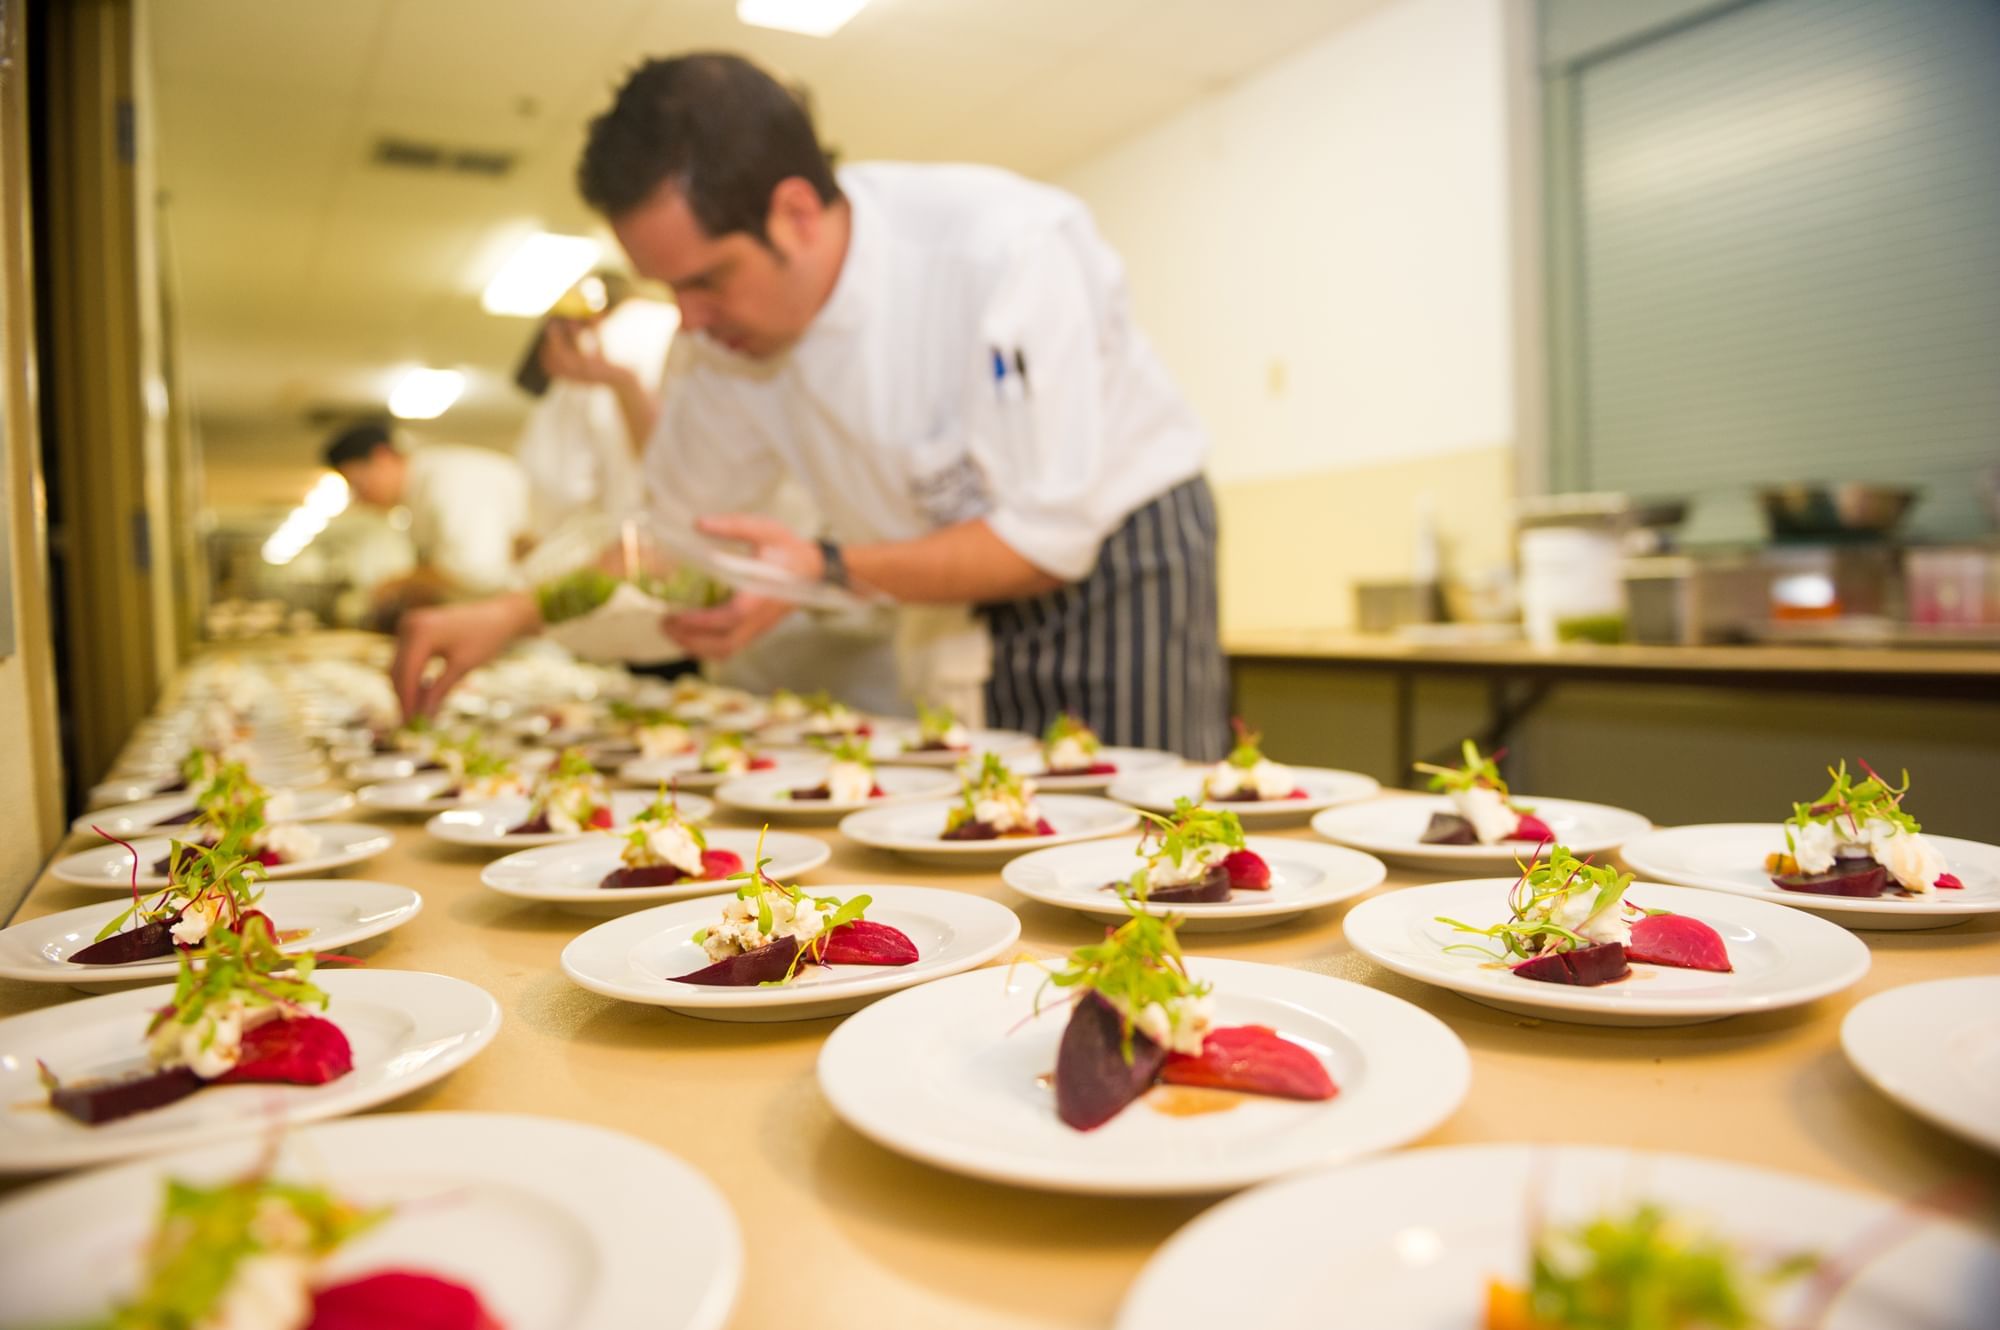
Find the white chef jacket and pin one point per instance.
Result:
(467, 506)
(888, 410)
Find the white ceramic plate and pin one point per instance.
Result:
(1934, 1048)
(569, 873)
(953, 1073)
(894, 748)
(407, 1029)
(1389, 828)
(683, 770)
(1129, 761)
(1305, 875)
(129, 789)
(1411, 1239)
(1730, 857)
(556, 1225)
(767, 793)
(109, 867)
(334, 913)
(395, 766)
(137, 818)
(915, 828)
(632, 958)
(1782, 958)
(413, 794)
(487, 824)
(1156, 792)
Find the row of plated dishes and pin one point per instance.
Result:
(1310, 1069)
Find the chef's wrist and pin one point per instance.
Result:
(833, 569)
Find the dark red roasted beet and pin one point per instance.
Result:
(399, 1300)
(865, 942)
(1533, 828)
(1677, 940)
(1209, 888)
(652, 875)
(94, 1102)
(1585, 967)
(1252, 797)
(1448, 829)
(822, 792)
(1247, 871)
(1093, 1079)
(298, 1050)
(987, 831)
(144, 943)
(767, 964)
(1254, 1059)
(1847, 877)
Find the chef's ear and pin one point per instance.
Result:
(797, 216)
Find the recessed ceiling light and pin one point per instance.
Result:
(424, 394)
(543, 267)
(811, 18)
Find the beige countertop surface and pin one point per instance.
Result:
(870, 1239)
(1390, 650)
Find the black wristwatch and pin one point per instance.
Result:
(833, 565)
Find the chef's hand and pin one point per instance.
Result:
(570, 351)
(717, 634)
(461, 637)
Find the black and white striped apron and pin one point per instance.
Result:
(1134, 648)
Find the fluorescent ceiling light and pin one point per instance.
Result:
(424, 394)
(544, 267)
(329, 497)
(811, 18)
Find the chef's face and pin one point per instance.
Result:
(752, 298)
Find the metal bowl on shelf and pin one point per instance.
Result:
(1850, 510)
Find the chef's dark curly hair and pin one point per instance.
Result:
(722, 130)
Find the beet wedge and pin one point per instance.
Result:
(1847, 877)
(1254, 1059)
(1210, 887)
(399, 1300)
(651, 875)
(1585, 967)
(1533, 828)
(767, 964)
(1094, 1082)
(1247, 871)
(1679, 940)
(718, 864)
(95, 1102)
(294, 1050)
(145, 943)
(1448, 829)
(865, 942)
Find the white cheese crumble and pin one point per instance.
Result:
(849, 782)
(290, 841)
(663, 843)
(664, 740)
(738, 931)
(1266, 780)
(1484, 807)
(1070, 753)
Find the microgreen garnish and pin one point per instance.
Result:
(991, 781)
(760, 889)
(664, 810)
(1853, 804)
(720, 749)
(1535, 899)
(934, 723)
(1188, 831)
(1139, 963)
(197, 875)
(643, 718)
(242, 964)
(1477, 773)
(848, 748)
(1246, 754)
(1069, 726)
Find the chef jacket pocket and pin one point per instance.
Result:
(945, 482)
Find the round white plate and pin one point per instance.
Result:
(894, 748)
(397, 766)
(109, 867)
(413, 794)
(333, 913)
(407, 1028)
(1934, 1048)
(487, 824)
(130, 789)
(569, 873)
(553, 1224)
(767, 793)
(1305, 875)
(953, 1073)
(1389, 827)
(1782, 958)
(916, 828)
(1156, 792)
(1730, 857)
(145, 815)
(683, 771)
(1411, 1240)
(631, 958)
(1129, 761)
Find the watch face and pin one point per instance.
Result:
(833, 570)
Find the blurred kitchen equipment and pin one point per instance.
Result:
(1659, 600)
(1848, 510)
(1384, 607)
(1572, 548)
(1953, 584)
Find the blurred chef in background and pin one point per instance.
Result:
(944, 357)
(468, 513)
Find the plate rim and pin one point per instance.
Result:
(973, 849)
(1944, 909)
(1896, 1085)
(1251, 909)
(714, 887)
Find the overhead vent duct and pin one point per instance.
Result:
(405, 154)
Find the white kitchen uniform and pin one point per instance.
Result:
(898, 417)
(467, 507)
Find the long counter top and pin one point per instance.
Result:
(867, 1238)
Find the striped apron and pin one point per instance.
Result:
(1134, 648)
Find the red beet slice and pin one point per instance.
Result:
(766, 964)
(1847, 877)
(652, 875)
(1094, 769)
(295, 1050)
(1247, 871)
(1948, 882)
(1448, 829)
(1209, 888)
(1585, 967)
(1532, 828)
(600, 817)
(720, 863)
(1043, 827)
(94, 1102)
(1254, 1059)
(1093, 1079)
(865, 942)
(399, 1300)
(144, 943)
(1678, 940)
(822, 792)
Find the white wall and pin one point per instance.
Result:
(1322, 252)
